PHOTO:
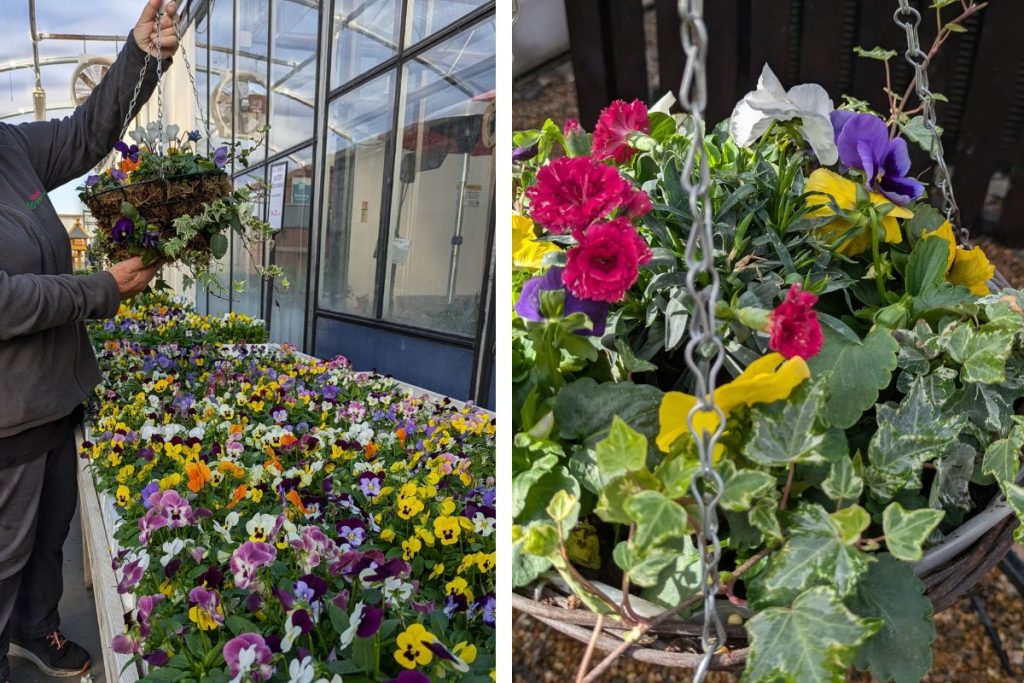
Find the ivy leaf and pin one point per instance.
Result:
(878, 53)
(788, 431)
(916, 132)
(218, 246)
(680, 579)
(644, 566)
(1002, 457)
(851, 523)
(952, 477)
(623, 450)
(815, 639)
(907, 530)
(986, 353)
(657, 518)
(988, 407)
(815, 554)
(901, 651)
(524, 481)
(765, 518)
(742, 487)
(1015, 497)
(908, 435)
(842, 482)
(584, 409)
(856, 372)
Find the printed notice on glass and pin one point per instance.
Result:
(275, 206)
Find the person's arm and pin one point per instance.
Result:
(62, 150)
(33, 303)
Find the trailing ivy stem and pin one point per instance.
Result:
(876, 258)
(585, 663)
(789, 486)
(591, 588)
(625, 583)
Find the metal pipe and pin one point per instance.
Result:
(38, 94)
(453, 266)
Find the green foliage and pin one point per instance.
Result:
(907, 530)
(854, 373)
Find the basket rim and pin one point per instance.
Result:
(943, 586)
(181, 177)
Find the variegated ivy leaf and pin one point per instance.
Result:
(842, 482)
(907, 530)
(742, 487)
(982, 352)
(623, 450)
(851, 523)
(814, 639)
(1015, 497)
(952, 477)
(764, 517)
(816, 553)
(909, 434)
(918, 347)
(643, 565)
(1002, 457)
(789, 431)
(657, 518)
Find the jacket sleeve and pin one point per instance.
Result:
(62, 150)
(33, 303)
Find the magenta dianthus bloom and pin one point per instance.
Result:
(572, 193)
(615, 124)
(606, 263)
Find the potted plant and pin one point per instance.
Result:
(165, 200)
(868, 388)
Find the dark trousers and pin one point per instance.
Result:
(37, 502)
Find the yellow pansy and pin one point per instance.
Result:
(387, 535)
(459, 586)
(123, 495)
(485, 561)
(412, 647)
(967, 267)
(437, 571)
(447, 529)
(767, 379)
(527, 252)
(410, 547)
(465, 651)
(844, 193)
(203, 619)
(409, 506)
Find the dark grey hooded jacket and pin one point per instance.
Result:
(47, 367)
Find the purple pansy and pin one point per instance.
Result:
(220, 157)
(151, 488)
(864, 144)
(131, 574)
(150, 239)
(123, 645)
(525, 153)
(92, 180)
(118, 175)
(249, 657)
(528, 305)
(410, 676)
(146, 605)
(351, 533)
(126, 151)
(247, 560)
(370, 483)
(195, 136)
(123, 230)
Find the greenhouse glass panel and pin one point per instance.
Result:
(291, 252)
(293, 74)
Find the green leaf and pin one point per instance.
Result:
(926, 218)
(237, 625)
(129, 210)
(985, 355)
(657, 518)
(815, 554)
(851, 523)
(535, 502)
(842, 482)
(878, 53)
(908, 435)
(624, 450)
(907, 530)
(1002, 457)
(954, 27)
(644, 566)
(916, 132)
(901, 651)
(742, 487)
(524, 481)
(952, 477)
(680, 579)
(540, 539)
(584, 409)
(564, 508)
(1015, 497)
(815, 639)
(765, 518)
(526, 568)
(856, 372)
(927, 265)
(788, 431)
(218, 246)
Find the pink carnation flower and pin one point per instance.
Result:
(572, 193)
(794, 329)
(614, 126)
(606, 262)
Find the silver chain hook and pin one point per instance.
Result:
(704, 352)
(908, 18)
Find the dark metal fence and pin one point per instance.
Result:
(980, 71)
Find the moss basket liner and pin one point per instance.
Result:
(160, 201)
(676, 644)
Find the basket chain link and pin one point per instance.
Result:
(908, 18)
(704, 352)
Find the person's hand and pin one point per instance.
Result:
(132, 276)
(146, 30)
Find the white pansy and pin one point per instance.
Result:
(356, 618)
(260, 526)
(809, 102)
(292, 632)
(664, 105)
(171, 550)
(197, 432)
(229, 523)
(301, 672)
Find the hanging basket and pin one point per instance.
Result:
(676, 644)
(159, 202)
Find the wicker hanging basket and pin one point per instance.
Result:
(676, 644)
(159, 201)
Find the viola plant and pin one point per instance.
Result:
(866, 398)
(165, 199)
(283, 518)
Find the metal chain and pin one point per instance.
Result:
(195, 90)
(705, 352)
(135, 96)
(908, 18)
(159, 90)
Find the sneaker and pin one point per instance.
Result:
(53, 654)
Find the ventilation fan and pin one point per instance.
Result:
(87, 75)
